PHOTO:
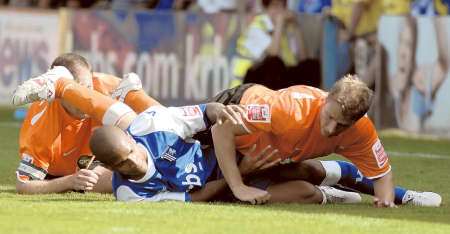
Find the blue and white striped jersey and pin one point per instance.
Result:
(176, 162)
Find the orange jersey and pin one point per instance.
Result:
(289, 120)
(51, 141)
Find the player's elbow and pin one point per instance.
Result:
(229, 129)
(22, 187)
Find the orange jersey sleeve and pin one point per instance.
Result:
(361, 145)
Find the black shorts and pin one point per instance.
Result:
(231, 96)
(226, 97)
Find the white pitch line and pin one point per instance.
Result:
(417, 155)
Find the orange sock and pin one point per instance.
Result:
(139, 101)
(98, 106)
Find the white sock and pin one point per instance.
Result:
(115, 112)
(332, 172)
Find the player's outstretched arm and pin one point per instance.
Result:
(247, 166)
(223, 137)
(210, 190)
(384, 191)
(84, 180)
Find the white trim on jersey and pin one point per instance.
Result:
(125, 193)
(115, 112)
(165, 196)
(151, 170)
(173, 119)
(380, 175)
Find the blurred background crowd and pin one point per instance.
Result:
(398, 47)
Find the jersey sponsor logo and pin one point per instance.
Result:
(258, 113)
(169, 154)
(191, 179)
(191, 111)
(379, 153)
(37, 116)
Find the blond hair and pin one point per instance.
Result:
(353, 95)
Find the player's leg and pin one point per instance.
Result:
(131, 93)
(51, 85)
(100, 107)
(298, 191)
(347, 175)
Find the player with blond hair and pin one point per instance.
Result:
(301, 123)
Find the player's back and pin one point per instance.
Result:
(283, 118)
(292, 125)
(176, 162)
(51, 140)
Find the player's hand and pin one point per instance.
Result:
(260, 161)
(233, 113)
(251, 195)
(383, 204)
(84, 180)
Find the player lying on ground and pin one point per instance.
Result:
(165, 163)
(346, 176)
(54, 136)
(303, 122)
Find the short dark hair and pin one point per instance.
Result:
(103, 144)
(72, 62)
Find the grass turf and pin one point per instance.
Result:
(97, 213)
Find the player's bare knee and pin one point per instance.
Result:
(307, 193)
(312, 171)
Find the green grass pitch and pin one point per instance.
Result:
(97, 213)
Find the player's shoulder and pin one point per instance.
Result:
(305, 92)
(299, 99)
(153, 119)
(181, 121)
(42, 113)
(362, 130)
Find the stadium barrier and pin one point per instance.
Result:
(29, 41)
(186, 57)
